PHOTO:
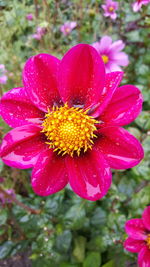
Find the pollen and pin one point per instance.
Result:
(69, 130)
(148, 241)
(111, 9)
(105, 59)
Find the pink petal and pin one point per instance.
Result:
(49, 174)
(136, 229)
(121, 58)
(144, 257)
(112, 66)
(121, 149)
(133, 245)
(112, 81)
(17, 109)
(146, 218)
(40, 80)
(89, 175)
(21, 146)
(105, 43)
(81, 76)
(124, 107)
(117, 46)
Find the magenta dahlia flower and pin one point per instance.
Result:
(139, 238)
(137, 5)
(67, 27)
(110, 8)
(111, 53)
(67, 121)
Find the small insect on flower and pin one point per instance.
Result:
(67, 120)
(138, 241)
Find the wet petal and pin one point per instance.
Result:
(81, 76)
(40, 80)
(133, 245)
(124, 107)
(89, 175)
(17, 109)
(113, 79)
(136, 229)
(21, 146)
(49, 174)
(121, 149)
(146, 218)
(144, 257)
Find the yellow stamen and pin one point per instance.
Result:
(105, 58)
(148, 241)
(69, 130)
(111, 9)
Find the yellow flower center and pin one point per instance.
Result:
(111, 8)
(148, 241)
(105, 59)
(69, 130)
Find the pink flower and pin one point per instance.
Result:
(3, 71)
(40, 31)
(110, 7)
(111, 53)
(67, 123)
(138, 4)
(139, 238)
(67, 27)
(4, 199)
(29, 16)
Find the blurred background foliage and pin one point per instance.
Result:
(64, 230)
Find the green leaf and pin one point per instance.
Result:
(109, 264)
(5, 249)
(79, 248)
(92, 259)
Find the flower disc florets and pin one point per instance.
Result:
(69, 130)
(148, 241)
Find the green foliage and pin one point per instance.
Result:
(70, 231)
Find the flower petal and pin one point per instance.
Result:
(146, 218)
(49, 174)
(40, 80)
(124, 107)
(81, 76)
(121, 149)
(17, 109)
(21, 146)
(136, 229)
(113, 79)
(117, 46)
(120, 58)
(144, 257)
(133, 245)
(89, 175)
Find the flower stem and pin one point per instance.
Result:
(16, 201)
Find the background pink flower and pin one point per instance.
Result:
(29, 16)
(40, 32)
(111, 53)
(67, 27)
(3, 77)
(138, 4)
(50, 83)
(138, 241)
(109, 9)
(4, 199)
